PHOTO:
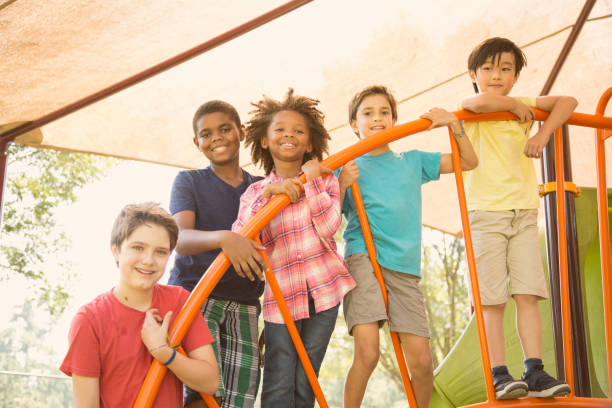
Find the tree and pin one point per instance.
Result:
(23, 349)
(38, 182)
(446, 296)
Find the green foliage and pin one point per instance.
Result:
(23, 351)
(446, 296)
(38, 182)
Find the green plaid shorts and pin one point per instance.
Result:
(233, 325)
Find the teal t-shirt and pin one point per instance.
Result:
(390, 184)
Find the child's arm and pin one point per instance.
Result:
(486, 102)
(469, 160)
(323, 197)
(241, 251)
(348, 175)
(560, 108)
(198, 370)
(86, 391)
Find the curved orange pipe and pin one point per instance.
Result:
(604, 233)
(369, 241)
(210, 278)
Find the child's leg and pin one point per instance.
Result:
(529, 325)
(239, 340)
(418, 358)
(278, 390)
(408, 317)
(365, 359)
(494, 328)
(316, 333)
(364, 312)
(213, 312)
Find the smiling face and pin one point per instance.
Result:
(373, 115)
(218, 137)
(142, 257)
(497, 75)
(287, 138)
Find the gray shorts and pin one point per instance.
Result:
(364, 304)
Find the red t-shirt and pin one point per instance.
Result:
(104, 342)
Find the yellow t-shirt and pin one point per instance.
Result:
(505, 178)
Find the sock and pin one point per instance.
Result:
(533, 364)
(499, 370)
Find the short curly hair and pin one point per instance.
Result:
(257, 127)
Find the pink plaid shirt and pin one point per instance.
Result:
(301, 248)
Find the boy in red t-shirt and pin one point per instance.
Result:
(114, 338)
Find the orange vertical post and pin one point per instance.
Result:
(295, 336)
(604, 233)
(562, 248)
(469, 251)
(369, 241)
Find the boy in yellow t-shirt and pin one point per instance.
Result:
(503, 202)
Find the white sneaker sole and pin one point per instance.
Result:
(513, 390)
(556, 391)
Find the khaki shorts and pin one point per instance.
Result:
(507, 252)
(364, 304)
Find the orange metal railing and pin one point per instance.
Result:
(604, 234)
(185, 317)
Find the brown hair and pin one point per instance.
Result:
(257, 127)
(133, 216)
(494, 47)
(369, 91)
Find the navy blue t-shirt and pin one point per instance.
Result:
(215, 204)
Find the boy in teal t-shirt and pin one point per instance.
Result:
(390, 184)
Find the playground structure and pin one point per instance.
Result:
(12, 132)
(253, 227)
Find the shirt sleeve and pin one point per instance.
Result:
(83, 356)
(430, 166)
(323, 198)
(251, 202)
(182, 197)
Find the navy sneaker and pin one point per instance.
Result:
(507, 387)
(542, 385)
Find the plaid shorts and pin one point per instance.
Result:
(234, 328)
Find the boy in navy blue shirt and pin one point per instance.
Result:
(205, 203)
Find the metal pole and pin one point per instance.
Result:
(581, 371)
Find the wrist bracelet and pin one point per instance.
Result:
(157, 348)
(461, 131)
(171, 359)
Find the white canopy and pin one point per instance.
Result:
(55, 52)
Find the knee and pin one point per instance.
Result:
(422, 366)
(367, 357)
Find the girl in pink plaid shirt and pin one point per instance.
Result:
(288, 137)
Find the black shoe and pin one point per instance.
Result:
(542, 385)
(507, 387)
